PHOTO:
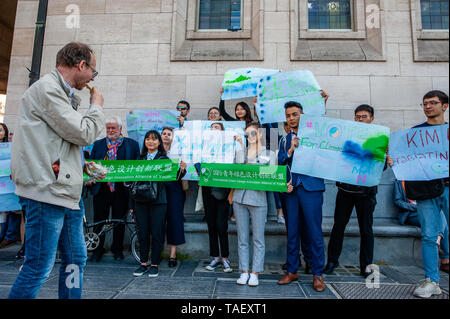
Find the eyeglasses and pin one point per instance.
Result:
(181, 108)
(252, 134)
(431, 103)
(94, 71)
(361, 117)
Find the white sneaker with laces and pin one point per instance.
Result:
(427, 289)
(213, 264)
(253, 281)
(226, 266)
(242, 279)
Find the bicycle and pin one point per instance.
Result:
(92, 239)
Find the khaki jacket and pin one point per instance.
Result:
(49, 129)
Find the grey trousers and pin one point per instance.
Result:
(258, 215)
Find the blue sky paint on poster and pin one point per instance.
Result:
(275, 90)
(139, 122)
(241, 83)
(343, 151)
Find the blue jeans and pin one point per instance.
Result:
(429, 213)
(48, 228)
(10, 229)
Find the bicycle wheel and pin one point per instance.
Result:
(135, 247)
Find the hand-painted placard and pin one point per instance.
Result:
(420, 154)
(233, 126)
(275, 90)
(139, 170)
(206, 146)
(5, 167)
(6, 185)
(9, 201)
(5, 151)
(218, 147)
(240, 176)
(191, 173)
(343, 151)
(139, 122)
(241, 83)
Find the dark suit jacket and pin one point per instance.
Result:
(129, 150)
(310, 183)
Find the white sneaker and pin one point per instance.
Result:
(280, 220)
(226, 266)
(427, 289)
(242, 279)
(253, 281)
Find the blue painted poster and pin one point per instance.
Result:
(8, 200)
(275, 90)
(420, 154)
(343, 151)
(139, 122)
(241, 83)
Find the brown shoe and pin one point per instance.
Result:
(6, 242)
(287, 278)
(318, 283)
(444, 267)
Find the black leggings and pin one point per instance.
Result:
(216, 214)
(150, 221)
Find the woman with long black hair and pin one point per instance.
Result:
(241, 110)
(151, 217)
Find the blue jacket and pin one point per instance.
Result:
(311, 184)
(406, 208)
(129, 150)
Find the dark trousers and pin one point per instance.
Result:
(150, 221)
(118, 202)
(364, 205)
(303, 239)
(216, 214)
(305, 207)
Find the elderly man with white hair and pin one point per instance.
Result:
(112, 195)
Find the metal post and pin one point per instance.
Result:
(38, 42)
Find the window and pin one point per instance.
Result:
(434, 14)
(201, 30)
(429, 19)
(323, 30)
(324, 14)
(219, 15)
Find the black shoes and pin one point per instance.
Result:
(172, 262)
(119, 256)
(329, 268)
(140, 271)
(97, 255)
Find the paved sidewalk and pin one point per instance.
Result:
(110, 279)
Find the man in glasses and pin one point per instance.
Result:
(46, 166)
(364, 200)
(434, 104)
(184, 108)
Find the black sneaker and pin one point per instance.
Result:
(153, 272)
(21, 253)
(140, 271)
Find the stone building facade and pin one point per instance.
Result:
(151, 55)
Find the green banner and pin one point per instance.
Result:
(240, 176)
(129, 171)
